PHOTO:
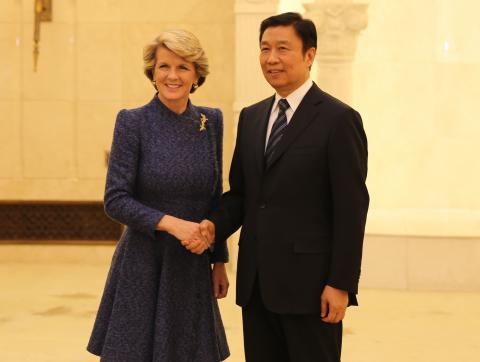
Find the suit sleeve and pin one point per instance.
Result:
(220, 251)
(347, 157)
(119, 201)
(229, 216)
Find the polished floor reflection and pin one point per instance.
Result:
(49, 295)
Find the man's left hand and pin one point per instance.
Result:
(334, 304)
(219, 280)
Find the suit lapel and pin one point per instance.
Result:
(305, 113)
(260, 132)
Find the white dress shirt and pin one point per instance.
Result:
(293, 100)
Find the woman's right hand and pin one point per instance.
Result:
(186, 231)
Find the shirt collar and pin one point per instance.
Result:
(296, 96)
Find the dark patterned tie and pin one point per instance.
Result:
(277, 130)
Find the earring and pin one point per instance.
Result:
(195, 85)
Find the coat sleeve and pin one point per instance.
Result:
(220, 250)
(347, 157)
(120, 202)
(228, 217)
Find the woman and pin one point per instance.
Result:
(164, 176)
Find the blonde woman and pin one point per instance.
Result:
(164, 176)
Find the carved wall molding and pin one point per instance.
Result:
(338, 22)
(338, 26)
(255, 6)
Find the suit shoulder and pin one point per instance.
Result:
(135, 113)
(337, 104)
(209, 111)
(141, 114)
(133, 118)
(259, 105)
(250, 113)
(341, 114)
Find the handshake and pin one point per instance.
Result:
(195, 237)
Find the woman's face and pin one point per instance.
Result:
(174, 77)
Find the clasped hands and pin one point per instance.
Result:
(201, 238)
(195, 237)
(198, 237)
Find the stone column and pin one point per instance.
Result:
(250, 85)
(338, 24)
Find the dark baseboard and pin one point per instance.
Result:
(56, 222)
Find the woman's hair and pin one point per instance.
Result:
(182, 43)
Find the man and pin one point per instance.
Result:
(297, 185)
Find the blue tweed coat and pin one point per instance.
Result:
(158, 304)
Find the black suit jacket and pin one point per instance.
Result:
(304, 216)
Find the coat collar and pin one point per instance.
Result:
(191, 112)
(305, 113)
(262, 117)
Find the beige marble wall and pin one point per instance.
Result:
(57, 123)
(416, 83)
(421, 263)
(416, 80)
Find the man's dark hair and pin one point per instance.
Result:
(305, 28)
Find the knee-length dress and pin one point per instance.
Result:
(158, 303)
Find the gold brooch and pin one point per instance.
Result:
(203, 122)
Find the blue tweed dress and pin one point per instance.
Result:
(158, 303)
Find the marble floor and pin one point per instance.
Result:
(49, 295)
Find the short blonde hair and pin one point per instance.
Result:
(185, 45)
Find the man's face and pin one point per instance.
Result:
(283, 62)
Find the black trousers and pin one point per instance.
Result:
(272, 337)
